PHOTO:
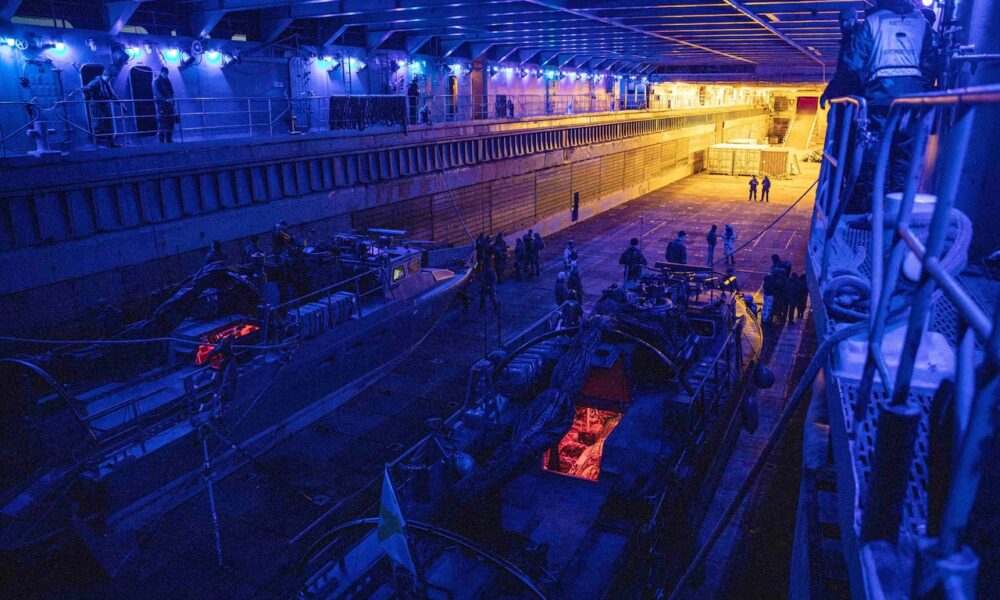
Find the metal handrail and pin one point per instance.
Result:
(974, 407)
(700, 391)
(239, 116)
(324, 291)
(839, 169)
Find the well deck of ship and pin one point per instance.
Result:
(263, 506)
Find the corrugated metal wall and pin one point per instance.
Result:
(64, 210)
(514, 203)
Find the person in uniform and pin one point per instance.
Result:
(500, 256)
(845, 81)
(891, 55)
(571, 311)
(488, 287)
(166, 115)
(729, 245)
(765, 189)
(215, 253)
(536, 250)
(562, 292)
(633, 260)
(794, 292)
(574, 283)
(102, 97)
(412, 97)
(753, 189)
(252, 247)
(568, 253)
(677, 249)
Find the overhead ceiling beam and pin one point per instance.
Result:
(564, 59)
(505, 53)
(562, 6)
(202, 23)
(442, 13)
(119, 13)
(450, 46)
(525, 56)
(416, 42)
(272, 27)
(9, 10)
(545, 58)
(377, 38)
(766, 25)
(339, 31)
(479, 50)
(346, 6)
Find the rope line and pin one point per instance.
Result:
(779, 217)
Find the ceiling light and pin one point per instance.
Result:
(171, 54)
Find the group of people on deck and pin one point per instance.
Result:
(491, 262)
(633, 260)
(785, 294)
(765, 189)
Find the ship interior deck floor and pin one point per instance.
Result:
(263, 505)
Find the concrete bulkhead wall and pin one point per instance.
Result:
(53, 286)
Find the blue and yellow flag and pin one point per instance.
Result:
(392, 528)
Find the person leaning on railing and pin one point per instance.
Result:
(892, 54)
(101, 97)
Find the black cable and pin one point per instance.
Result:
(780, 217)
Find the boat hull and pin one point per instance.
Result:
(275, 397)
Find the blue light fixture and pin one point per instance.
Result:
(172, 54)
(213, 56)
(133, 52)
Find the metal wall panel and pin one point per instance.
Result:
(512, 203)
(552, 191)
(612, 173)
(587, 180)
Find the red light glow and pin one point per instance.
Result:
(210, 340)
(579, 453)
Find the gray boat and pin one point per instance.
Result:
(580, 466)
(112, 434)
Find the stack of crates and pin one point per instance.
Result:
(316, 317)
(529, 369)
